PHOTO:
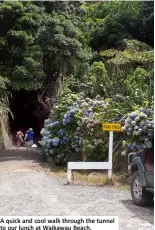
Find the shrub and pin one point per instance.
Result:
(139, 127)
(75, 131)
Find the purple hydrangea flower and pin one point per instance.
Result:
(56, 122)
(55, 141)
(47, 120)
(142, 109)
(62, 142)
(87, 113)
(61, 132)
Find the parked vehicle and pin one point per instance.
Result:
(141, 168)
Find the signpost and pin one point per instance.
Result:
(111, 127)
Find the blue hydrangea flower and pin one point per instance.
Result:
(142, 109)
(47, 120)
(48, 145)
(77, 150)
(56, 122)
(49, 140)
(72, 111)
(61, 132)
(55, 141)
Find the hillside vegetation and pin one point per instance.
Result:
(91, 63)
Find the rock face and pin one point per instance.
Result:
(5, 136)
(1, 140)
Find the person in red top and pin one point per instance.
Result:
(19, 137)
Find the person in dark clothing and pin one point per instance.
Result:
(29, 138)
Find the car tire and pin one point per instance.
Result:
(139, 194)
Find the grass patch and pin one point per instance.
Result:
(84, 177)
(101, 179)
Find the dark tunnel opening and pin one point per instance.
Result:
(28, 113)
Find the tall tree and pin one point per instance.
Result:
(65, 52)
(20, 57)
(146, 19)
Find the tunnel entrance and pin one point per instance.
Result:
(28, 113)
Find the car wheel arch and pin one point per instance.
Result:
(135, 168)
(139, 167)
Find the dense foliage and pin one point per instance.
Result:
(20, 56)
(90, 62)
(114, 21)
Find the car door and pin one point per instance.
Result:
(149, 167)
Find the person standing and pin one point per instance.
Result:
(19, 137)
(29, 138)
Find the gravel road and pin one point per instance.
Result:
(27, 189)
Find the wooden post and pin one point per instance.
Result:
(69, 175)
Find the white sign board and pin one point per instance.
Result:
(93, 165)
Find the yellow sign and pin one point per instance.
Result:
(111, 127)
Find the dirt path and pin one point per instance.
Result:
(27, 189)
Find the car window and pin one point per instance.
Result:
(149, 160)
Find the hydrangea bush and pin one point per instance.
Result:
(73, 129)
(70, 131)
(139, 127)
